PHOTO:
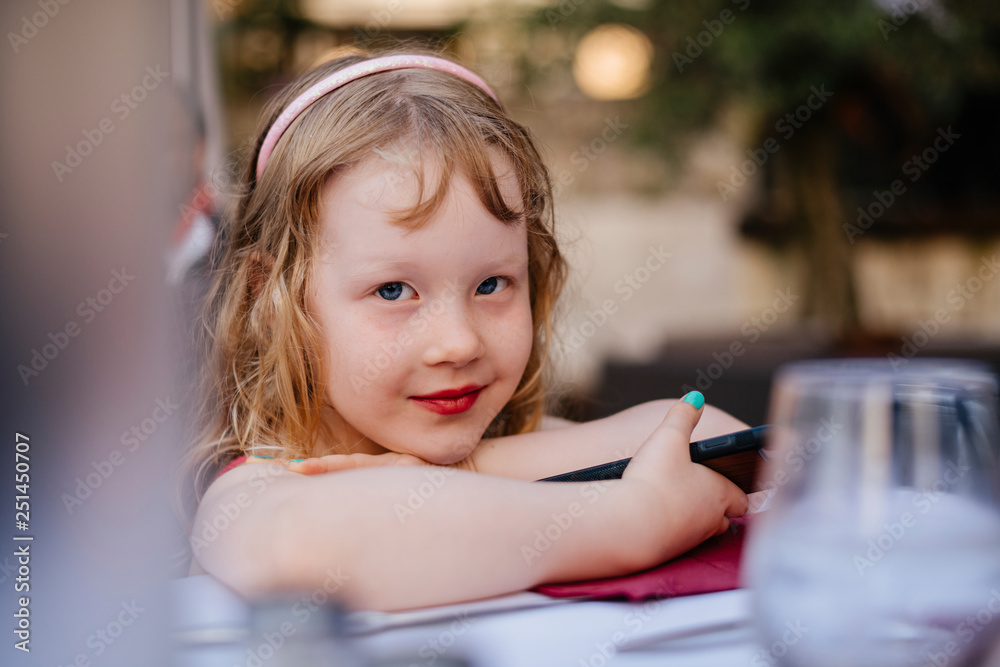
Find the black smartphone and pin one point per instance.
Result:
(737, 456)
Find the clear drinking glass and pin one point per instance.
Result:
(881, 544)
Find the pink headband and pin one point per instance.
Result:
(348, 74)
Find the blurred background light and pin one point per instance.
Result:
(612, 62)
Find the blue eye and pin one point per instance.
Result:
(492, 285)
(393, 291)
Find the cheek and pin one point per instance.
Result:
(348, 352)
(363, 354)
(527, 339)
(516, 338)
(349, 385)
(343, 354)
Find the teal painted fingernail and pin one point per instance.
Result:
(694, 398)
(262, 457)
(297, 460)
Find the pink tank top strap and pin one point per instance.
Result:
(232, 464)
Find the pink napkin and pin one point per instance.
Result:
(714, 565)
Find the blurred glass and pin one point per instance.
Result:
(882, 544)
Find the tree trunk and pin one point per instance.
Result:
(830, 295)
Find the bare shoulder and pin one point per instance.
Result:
(248, 489)
(252, 474)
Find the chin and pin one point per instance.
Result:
(450, 454)
(446, 458)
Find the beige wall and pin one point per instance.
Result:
(716, 281)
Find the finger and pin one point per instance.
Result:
(684, 415)
(311, 466)
(667, 447)
(738, 502)
(338, 462)
(679, 422)
(322, 464)
(734, 501)
(408, 460)
(260, 458)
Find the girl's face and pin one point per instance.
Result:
(427, 331)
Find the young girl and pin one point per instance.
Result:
(379, 328)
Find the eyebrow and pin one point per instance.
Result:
(390, 266)
(518, 259)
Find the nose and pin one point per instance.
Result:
(453, 335)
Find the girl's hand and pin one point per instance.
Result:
(683, 503)
(336, 462)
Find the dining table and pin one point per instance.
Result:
(212, 627)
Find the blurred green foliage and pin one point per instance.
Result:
(765, 54)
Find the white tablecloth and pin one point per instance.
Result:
(519, 630)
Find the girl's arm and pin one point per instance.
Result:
(402, 537)
(570, 446)
(561, 446)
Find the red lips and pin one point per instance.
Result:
(450, 401)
